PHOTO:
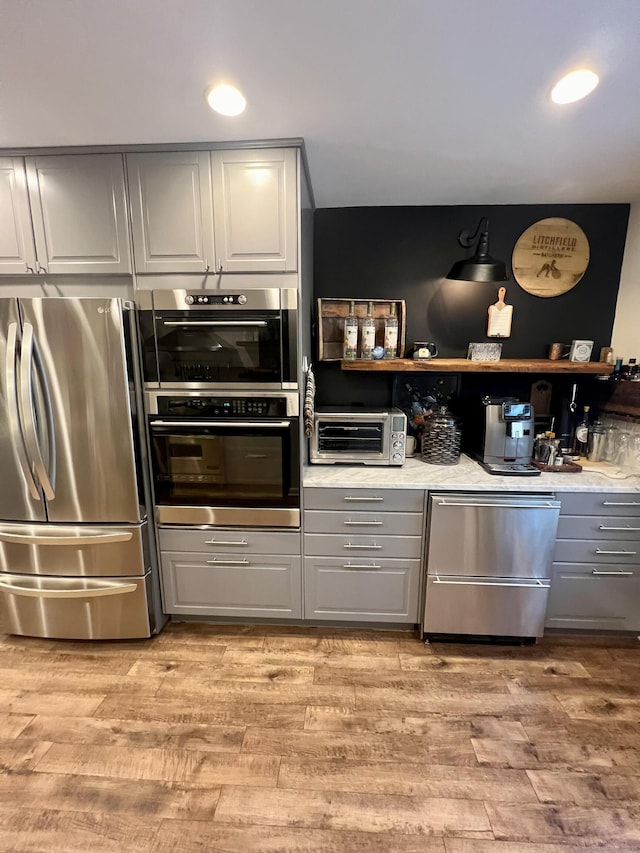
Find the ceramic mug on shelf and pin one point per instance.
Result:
(424, 350)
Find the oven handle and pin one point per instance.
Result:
(243, 424)
(186, 323)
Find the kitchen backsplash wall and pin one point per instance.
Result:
(405, 253)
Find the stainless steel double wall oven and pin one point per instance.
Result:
(222, 398)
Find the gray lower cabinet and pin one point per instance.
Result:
(363, 554)
(596, 571)
(231, 573)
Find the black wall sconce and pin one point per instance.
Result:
(480, 266)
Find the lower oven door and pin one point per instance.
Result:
(76, 608)
(227, 471)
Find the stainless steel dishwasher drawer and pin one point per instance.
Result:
(485, 606)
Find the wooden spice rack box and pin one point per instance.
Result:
(330, 323)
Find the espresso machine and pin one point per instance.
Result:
(508, 437)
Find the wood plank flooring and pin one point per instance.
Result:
(261, 739)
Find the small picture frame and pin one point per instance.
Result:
(580, 350)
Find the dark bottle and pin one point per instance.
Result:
(581, 435)
(617, 369)
(633, 369)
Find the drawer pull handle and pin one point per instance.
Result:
(615, 574)
(616, 553)
(363, 523)
(533, 584)
(226, 542)
(372, 547)
(228, 562)
(620, 503)
(602, 527)
(363, 499)
(361, 566)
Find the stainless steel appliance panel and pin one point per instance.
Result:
(82, 346)
(485, 606)
(198, 516)
(21, 494)
(492, 535)
(77, 608)
(74, 550)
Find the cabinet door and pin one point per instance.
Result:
(17, 249)
(79, 213)
(255, 210)
(594, 597)
(171, 211)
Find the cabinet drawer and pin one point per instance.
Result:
(389, 500)
(600, 503)
(219, 540)
(592, 527)
(582, 598)
(333, 545)
(362, 589)
(256, 586)
(392, 523)
(596, 551)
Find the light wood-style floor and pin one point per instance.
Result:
(274, 739)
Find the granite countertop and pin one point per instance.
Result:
(467, 475)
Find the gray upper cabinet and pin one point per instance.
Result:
(171, 211)
(17, 249)
(79, 213)
(255, 210)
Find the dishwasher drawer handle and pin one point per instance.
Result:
(363, 523)
(612, 574)
(355, 499)
(543, 505)
(616, 553)
(95, 592)
(95, 539)
(239, 542)
(603, 527)
(361, 566)
(228, 562)
(372, 547)
(534, 584)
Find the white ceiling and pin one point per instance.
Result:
(398, 101)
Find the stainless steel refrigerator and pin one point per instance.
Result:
(77, 552)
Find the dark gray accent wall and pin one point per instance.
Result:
(405, 252)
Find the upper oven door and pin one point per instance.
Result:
(226, 463)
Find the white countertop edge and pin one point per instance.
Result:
(466, 475)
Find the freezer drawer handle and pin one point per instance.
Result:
(225, 542)
(372, 547)
(363, 499)
(616, 553)
(361, 566)
(93, 592)
(602, 527)
(228, 562)
(363, 523)
(542, 505)
(612, 574)
(620, 503)
(534, 584)
(96, 539)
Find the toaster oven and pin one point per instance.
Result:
(371, 437)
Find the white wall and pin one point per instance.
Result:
(626, 327)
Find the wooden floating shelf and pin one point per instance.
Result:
(464, 365)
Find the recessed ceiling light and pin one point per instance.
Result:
(573, 86)
(225, 99)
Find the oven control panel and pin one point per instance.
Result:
(205, 406)
(215, 299)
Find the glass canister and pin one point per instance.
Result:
(441, 438)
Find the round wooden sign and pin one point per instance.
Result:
(550, 257)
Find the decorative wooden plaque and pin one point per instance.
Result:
(550, 257)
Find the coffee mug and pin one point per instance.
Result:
(558, 351)
(424, 349)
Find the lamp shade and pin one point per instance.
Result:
(480, 266)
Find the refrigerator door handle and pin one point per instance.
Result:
(28, 410)
(13, 411)
(92, 539)
(48, 407)
(97, 591)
